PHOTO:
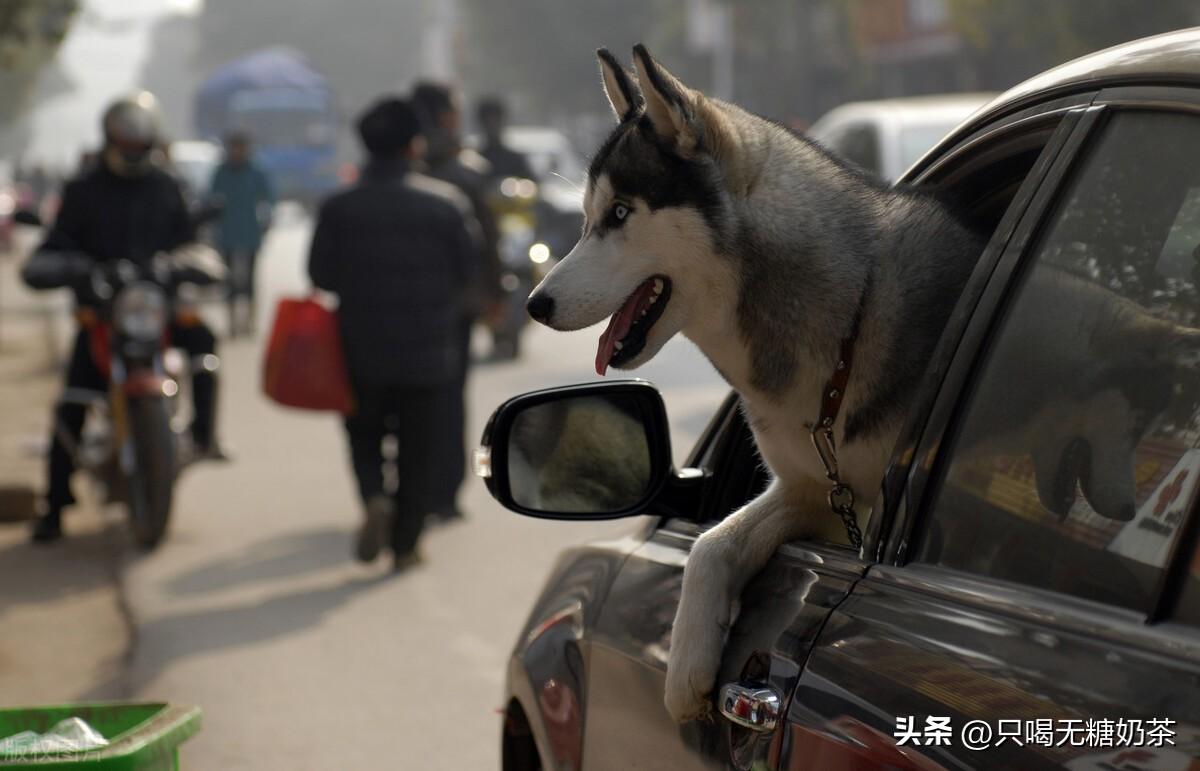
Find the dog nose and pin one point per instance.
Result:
(540, 307)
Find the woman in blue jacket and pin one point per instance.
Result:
(244, 193)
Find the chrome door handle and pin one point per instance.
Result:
(751, 706)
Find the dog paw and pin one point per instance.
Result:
(689, 701)
(692, 673)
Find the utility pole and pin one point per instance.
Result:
(710, 31)
(438, 36)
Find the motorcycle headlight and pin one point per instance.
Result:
(140, 311)
(539, 253)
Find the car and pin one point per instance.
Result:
(887, 136)
(974, 628)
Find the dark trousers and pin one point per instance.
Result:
(452, 448)
(415, 416)
(240, 284)
(241, 264)
(84, 375)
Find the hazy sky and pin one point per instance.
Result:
(101, 57)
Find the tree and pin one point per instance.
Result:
(1054, 32)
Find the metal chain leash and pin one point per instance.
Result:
(841, 497)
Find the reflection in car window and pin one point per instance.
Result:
(1076, 459)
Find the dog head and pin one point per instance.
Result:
(655, 202)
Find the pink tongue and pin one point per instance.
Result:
(620, 324)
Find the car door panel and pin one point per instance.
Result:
(780, 614)
(904, 645)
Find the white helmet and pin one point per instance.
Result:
(132, 128)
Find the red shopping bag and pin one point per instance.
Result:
(304, 366)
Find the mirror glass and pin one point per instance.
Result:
(580, 455)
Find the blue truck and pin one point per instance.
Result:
(289, 111)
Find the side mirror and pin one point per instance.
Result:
(27, 217)
(593, 451)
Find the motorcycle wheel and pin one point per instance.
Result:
(153, 480)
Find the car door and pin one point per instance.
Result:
(1037, 601)
(627, 725)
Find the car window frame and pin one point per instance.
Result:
(888, 533)
(929, 458)
(721, 448)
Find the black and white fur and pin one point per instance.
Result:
(771, 247)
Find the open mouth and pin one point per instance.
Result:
(625, 336)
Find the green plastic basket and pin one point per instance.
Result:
(142, 737)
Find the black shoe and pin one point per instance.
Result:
(210, 452)
(47, 528)
(375, 528)
(446, 516)
(407, 560)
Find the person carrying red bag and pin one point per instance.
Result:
(401, 252)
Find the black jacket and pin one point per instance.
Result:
(400, 251)
(506, 162)
(104, 218)
(470, 173)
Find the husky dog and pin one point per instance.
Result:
(776, 260)
(767, 253)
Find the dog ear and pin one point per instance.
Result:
(670, 105)
(618, 86)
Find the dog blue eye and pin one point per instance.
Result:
(620, 211)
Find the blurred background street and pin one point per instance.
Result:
(253, 607)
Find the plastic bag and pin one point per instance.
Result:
(304, 365)
(70, 735)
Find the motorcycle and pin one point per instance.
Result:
(514, 204)
(132, 441)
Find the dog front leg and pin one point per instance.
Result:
(722, 562)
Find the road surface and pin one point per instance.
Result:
(303, 659)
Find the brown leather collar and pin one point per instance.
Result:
(835, 387)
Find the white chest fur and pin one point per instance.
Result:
(782, 430)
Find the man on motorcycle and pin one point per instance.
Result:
(126, 207)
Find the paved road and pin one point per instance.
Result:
(62, 630)
(303, 659)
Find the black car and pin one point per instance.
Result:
(975, 627)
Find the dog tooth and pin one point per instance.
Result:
(653, 299)
(658, 285)
(618, 345)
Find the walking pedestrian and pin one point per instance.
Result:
(401, 252)
(447, 160)
(243, 192)
(505, 161)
